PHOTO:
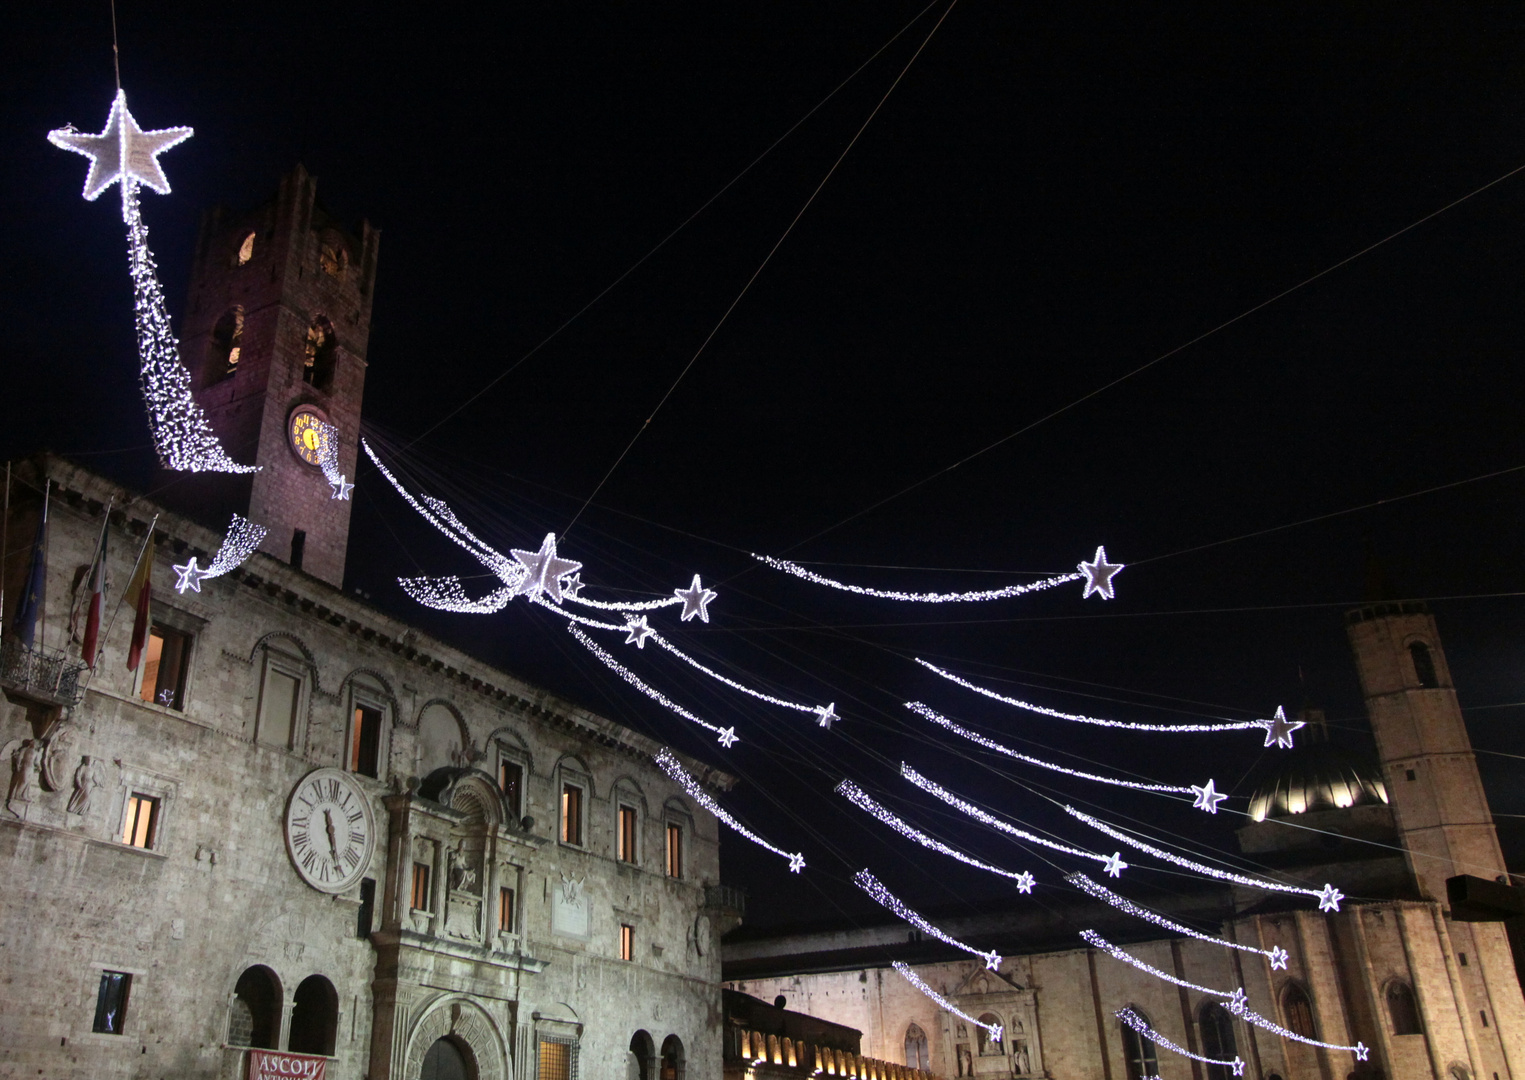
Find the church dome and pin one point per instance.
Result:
(1318, 777)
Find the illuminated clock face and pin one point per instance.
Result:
(307, 437)
(330, 832)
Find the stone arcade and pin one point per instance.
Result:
(299, 824)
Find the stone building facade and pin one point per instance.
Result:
(299, 824)
(1398, 970)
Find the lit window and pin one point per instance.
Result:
(674, 849)
(111, 1002)
(627, 834)
(166, 662)
(556, 1060)
(141, 823)
(571, 814)
(280, 699)
(318, 356)
(365, 742)
(627, 942)
(506, 910)
(246, 250)
(511, 783)
(420, 886)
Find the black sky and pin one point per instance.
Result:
(1053, 196)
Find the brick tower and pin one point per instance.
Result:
(1441, 812)
(276, 326)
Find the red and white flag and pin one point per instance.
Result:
(97, 601)
(140, 592)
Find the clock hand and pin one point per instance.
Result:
(328, 820)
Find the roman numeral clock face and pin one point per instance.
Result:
(330, 831)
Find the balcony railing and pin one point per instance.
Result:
(726, 898)
(43, 675)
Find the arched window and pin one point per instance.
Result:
(916, 1049)
(319, 353)
(246, 250)
(333, 255)
(1217, 1039)
(225, 346)
(1401, 1009)
(254, 1018)
(672, 1058)
(1424, 665)
(1297, 1011)
(988, 1046)
(1138, 1050)
(314, 1017)
(643, 1052)
(1459, 1072)
(444, 1061)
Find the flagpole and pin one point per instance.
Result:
(5, 536)
(82, 597)
(147, 539)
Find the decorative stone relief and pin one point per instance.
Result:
(570, 915)
(87, 777)
(55, 757)
(22, 754)
(469, 1028)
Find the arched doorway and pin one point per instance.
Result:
(255, 1015)
(643, 1052)
(672, 1058)
(446, 1061)
(314, 1017)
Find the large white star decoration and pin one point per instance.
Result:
(826, 715)
(993, 960)
(1238, 1002)
(1026, 881)
(1099, 574)
(1115, 865)
(122, 151)
(1207, 798)
(1279, 958)
(796, 863)
(189, 576)
(341, 488)
(1238, 1066)
(996, 1033)
(1329, 898)
(1279, 729)
(1362, 1050)
(572, 586)
(728, 737)
(543, 570)
(696, 599)
(639, 631)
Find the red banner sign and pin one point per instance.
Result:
(275, 1065)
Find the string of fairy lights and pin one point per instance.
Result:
(123, 153)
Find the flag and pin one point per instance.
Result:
(97, 597)
(140, 594)
(35, 588)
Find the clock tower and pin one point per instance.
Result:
(275, 333)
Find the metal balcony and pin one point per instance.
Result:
(40, 675)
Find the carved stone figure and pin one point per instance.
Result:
(86, 779)
(23, 767)
(1023, 1064)
(55, 752)
(463, 876)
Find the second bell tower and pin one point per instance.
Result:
(276, 327)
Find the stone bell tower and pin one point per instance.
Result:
(276, 327)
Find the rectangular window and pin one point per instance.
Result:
(165, 663)
(627, 942)
(571, 814)
(279, 700)
(674, 849)
(421, 886)
(556, 1061)
(511, 782)
(141, 823)
(111, 1002)
(367, 907)
(506, 910)
(365, 742)
(627, 834)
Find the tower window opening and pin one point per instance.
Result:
(365, 742)
(246, 250)
(298, 547)
(318, 354)
(1402, 1010)
(225, 346)
(1424, 665)
(333, 258)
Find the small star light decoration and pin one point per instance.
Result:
(1329, 898)
(123, 152)
(1099, 574)
(242, 538)
(1279, 729)
(826, 715)
(1115, 865)
(1207, 798)
(696, 600)
(543, 571)
(1026, 881)
(638, 630)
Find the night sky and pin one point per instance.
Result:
(1053, 196)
